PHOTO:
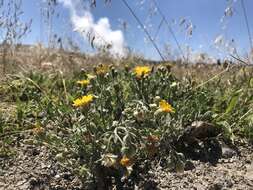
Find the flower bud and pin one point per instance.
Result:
(139, 115)
(157, 99)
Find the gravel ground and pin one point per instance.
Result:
(34, 168)
(229, 173)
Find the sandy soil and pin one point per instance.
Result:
(34, 168)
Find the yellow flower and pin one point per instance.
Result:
(125, 161)
(101, 69)
(166, 107)
(141, 71)
(83, 82)
(83, 101)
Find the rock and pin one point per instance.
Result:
(227, 152)
(43, 166)
(229, 183)
(216, 186)
(35, 152)
(189, 165)
(66, 175)
(59, 157)
(198, 130)
(199, 142)
(249, 173)
(57, 176)
(149, 185)
(33, 181)
(201, 129)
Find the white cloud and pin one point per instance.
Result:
(84, 24)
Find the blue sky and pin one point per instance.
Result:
(205, 15)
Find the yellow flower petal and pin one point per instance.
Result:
(102, 69)
(166, 107)
(141, 71)
(83, 101)
(83, 82)
(125, 161)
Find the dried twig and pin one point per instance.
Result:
(144, 29)
(170, 29)
(247, 23)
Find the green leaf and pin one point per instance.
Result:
(232, 104)
(251, 83)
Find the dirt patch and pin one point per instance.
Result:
(229, 173)
(33, 167)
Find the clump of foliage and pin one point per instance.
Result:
(115, 118)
